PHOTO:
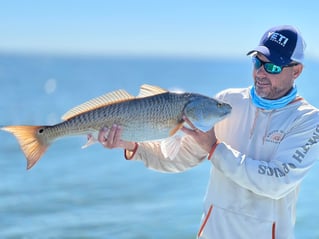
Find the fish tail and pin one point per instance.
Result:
(31, 142)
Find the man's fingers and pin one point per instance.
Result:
(117, 134)
(102, 136)
(110, 138)
(188, 131)
(189, 122)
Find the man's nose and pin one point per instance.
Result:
(261, 71)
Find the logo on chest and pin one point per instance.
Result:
(275, 136)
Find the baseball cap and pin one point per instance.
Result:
(281, 45)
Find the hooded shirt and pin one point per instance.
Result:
(262, 158)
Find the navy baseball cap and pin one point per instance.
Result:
(281, 45)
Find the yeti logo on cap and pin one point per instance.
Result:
(278, 38)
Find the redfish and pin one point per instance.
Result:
(155, 114)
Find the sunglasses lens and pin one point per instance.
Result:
(256, 62)
(272, 69)
(269, 67)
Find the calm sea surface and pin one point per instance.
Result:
(95, 193)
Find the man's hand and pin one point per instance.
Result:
(111, 138)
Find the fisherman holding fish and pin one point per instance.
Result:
(261, 140)
(260, 153)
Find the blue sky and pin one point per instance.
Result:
(146, 27)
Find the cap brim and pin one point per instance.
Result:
(261, 49)
(251, 52)
(273, 57)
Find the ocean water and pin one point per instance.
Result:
(94, 192)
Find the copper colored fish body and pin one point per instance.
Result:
(153, 115)
(141, 119)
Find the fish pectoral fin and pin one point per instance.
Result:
(104, 100)
(176, 128)
(150, 90)
(171, 146)
(91, 140)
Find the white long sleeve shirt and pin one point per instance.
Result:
(257, 168)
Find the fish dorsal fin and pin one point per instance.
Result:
(104, 100)
(150, 90)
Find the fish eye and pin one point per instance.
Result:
(41, 131)
(219, 105)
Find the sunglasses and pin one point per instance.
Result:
(268, 66)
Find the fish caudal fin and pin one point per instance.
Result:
(32, 145)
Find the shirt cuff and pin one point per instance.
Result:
(211, 152)
(129, 154)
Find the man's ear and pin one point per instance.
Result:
(297, 69)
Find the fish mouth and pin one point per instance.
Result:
(228, 109)
(226, 112)
(223, 116)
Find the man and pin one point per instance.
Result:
(260, 153)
